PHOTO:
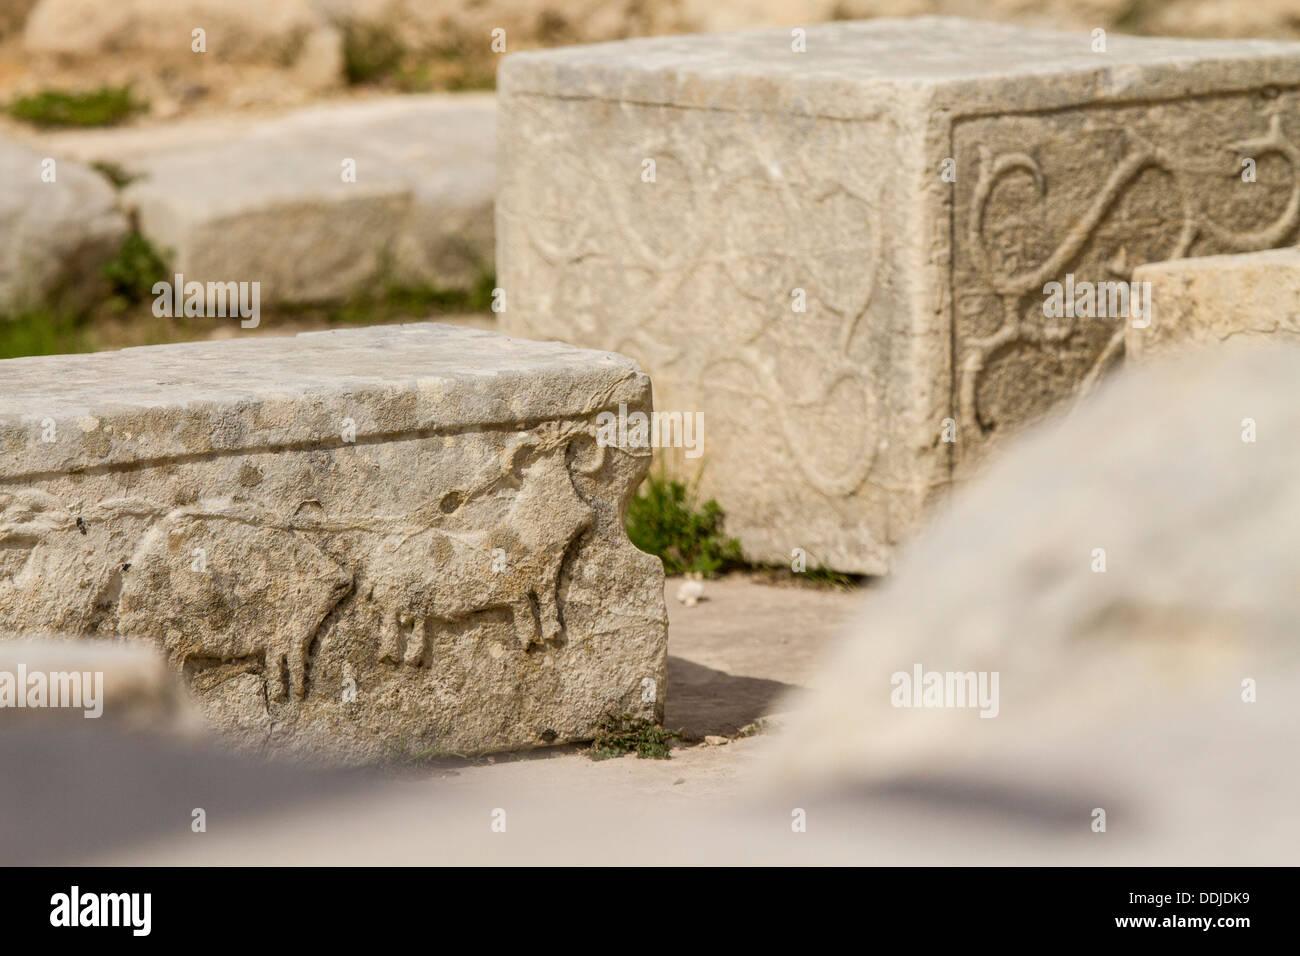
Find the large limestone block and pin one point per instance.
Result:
(268, 201)
(54, 236)
(355, 543)
(781, 175)
(1204, 301)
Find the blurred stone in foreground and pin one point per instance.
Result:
(124, 682)
(70, 792)
(1129, 567)
(1208, 300)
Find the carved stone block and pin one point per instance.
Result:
(913, 185)
(358, 544)
(1215, 299)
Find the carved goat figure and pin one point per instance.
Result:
(505, 552)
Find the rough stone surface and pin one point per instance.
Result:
(1204, 301)
(236, 29)
(822, 171)
(53, 235)
(13, 14)
(266, 201)
(1197, 595)
(462, 563)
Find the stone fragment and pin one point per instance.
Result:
(1204, 301)
(691, 591)
(83, 682)
(55, 232)
(318, 204)
(361, 544)
(273, 30)
(836, 244)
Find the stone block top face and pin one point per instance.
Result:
(758, 69)
(213, 168)
(158, 402)
(1210, 300)
(1284, 261)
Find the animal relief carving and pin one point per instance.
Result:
(260, 590)
(446, 572)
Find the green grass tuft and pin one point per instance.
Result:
(825, 577)
(107, 106)
(373, 56)
(132, 272)
(664, 520)
(623, 734)
(393, 301)
(41, 332)
(114, 173)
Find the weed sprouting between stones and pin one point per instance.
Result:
(63, 326)
(817, 576)
(374, 56)
(665, 520)
(401, 755)
(132, 272)
(123, 316)
(107, 106)
(396, 301)
(42, 332)
(370, 54)
(623, 734)
(115, 173)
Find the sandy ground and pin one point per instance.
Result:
(735, 654)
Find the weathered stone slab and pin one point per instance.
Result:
(781, 175)
(1205, 301)
(272, 201)
(418, 514)
(238, 29)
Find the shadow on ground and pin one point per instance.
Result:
(704, 701)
